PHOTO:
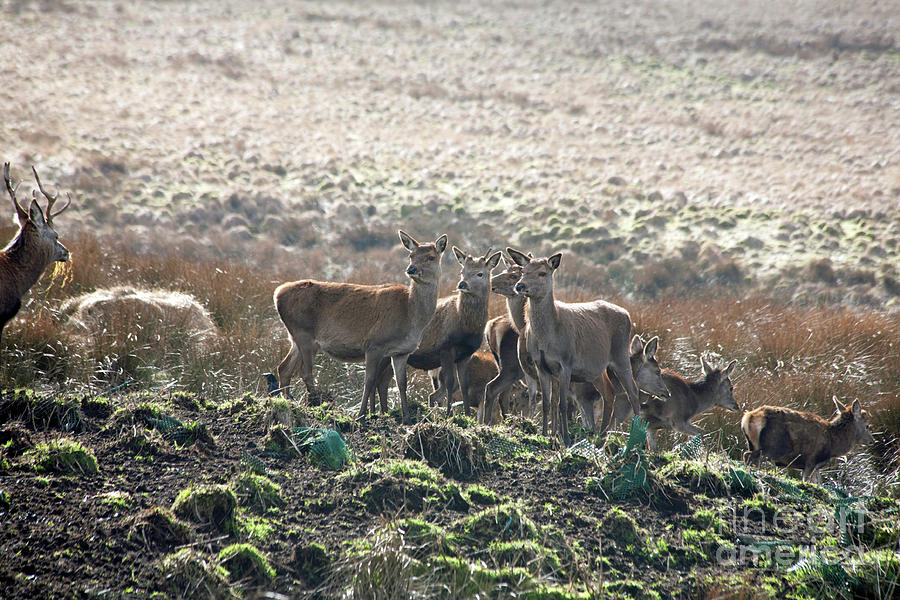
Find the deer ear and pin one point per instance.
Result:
(837, 404)
(857, 408)
(408, 241)
(637, 345)
(729, 369)
(554, 260)
(441, 243)
(493, 261)
(460, 255)
(506, 262)
(518, 257)
(705, 366)
(35, 213)
(651, 347)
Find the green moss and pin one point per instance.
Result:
(187, 569)
(708, 519)
(245, 562)
(505, 522)
(478, 494)
(701, 545)
(254, 527)
(257, 492)
(621, 527)
(527, 554)
(62, 455)
(208, 505)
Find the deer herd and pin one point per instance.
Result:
(582, 351)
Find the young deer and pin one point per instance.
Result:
(455, 331)
(481, 369)
(570, 341)
(503, 339)
(35, 247)
(803, 440)
(687, 400)
(354, 322)
(615, 406)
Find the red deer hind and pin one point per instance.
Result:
(455, 332)
(572, 342)
(803, 440)
(35, 247)
(353, 322)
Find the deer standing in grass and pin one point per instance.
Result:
(506, 344)
(615, 405)
(687, 400)
(572, 342)
(481, 369)
(353, 322)
(455, 332)
(803, 440)
(34, 248)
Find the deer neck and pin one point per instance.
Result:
(541, 316)
(422, 302)
(515, 307)
(841, 435)
(703, 394)
(472, 310)
(28, 262)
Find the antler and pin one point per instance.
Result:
(488, 253)
(51, 200)
(20, 212)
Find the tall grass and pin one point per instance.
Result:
(787, 354)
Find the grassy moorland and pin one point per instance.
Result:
(730, 175)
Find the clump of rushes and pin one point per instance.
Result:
(63, 455)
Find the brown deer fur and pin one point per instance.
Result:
(615, 406)
(791, 438)
(503, 339)
(573, 342)
(687, 400)
(35, 247)
(482, 368)
(455, 331)
(354, 322)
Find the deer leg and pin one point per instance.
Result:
(373, 361)
(448, 379)
(688, 428)
(652, 442)
(546, 385)
(383, 383)
(587, 395)
(462, 378)
(399, 364)
(565, 378)
(621, 368)
(287, 367)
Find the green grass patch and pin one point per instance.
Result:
(211, 505)
(62, 455)
(257, 492)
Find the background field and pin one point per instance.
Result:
(729, 174)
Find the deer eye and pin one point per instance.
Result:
(542, 274)
(479, 274)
